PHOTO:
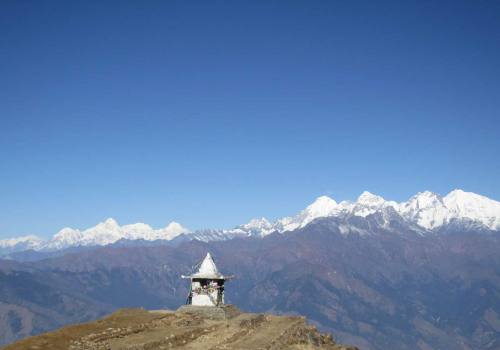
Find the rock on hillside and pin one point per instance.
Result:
(137, 329)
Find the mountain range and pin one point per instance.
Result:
(425, 213)
(421, 274)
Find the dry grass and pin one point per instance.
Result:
(138, 329)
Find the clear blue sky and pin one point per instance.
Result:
(213, 112)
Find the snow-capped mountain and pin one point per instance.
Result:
(424, 212)
(102, 234)
(321, 207)
(432, 211)
(18, 244)
(109, 232)
(259, 227)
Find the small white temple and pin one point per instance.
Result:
(207, 285)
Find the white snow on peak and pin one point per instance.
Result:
(109, 232)
(369, 203)
(260, 226)
(323, 206)
(369, 198)
(67, 237)
(431, 211)
(425, 209)
(172, 230)
(475, 207)
(27, 242)
(257, 223)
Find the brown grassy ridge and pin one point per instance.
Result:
(139, 329)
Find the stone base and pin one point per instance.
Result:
(223, 312)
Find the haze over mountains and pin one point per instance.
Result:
(425, 212)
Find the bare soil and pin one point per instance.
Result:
(138, 329)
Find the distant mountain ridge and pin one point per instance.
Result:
(425, 212)
(104, 233)
(370, 280)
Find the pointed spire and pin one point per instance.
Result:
(208, 269)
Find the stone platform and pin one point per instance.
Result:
(223, 312)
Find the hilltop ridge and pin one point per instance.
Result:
(138, 329)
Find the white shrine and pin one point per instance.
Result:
(207, 285)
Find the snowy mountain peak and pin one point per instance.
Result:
(111, 222)
(472, 206)
(255, 227)
(12, 245)
(321, 206)
(424, 200)
(66, 236)
(174, 226)
(369, 203)
(257, 223)
(370, 199)
(425, 209)
(458, 191)
(463, 198)
(424, 212)
(109, 232)
(426, 196)
(172, 230)
(431, 211)
(28, 242)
